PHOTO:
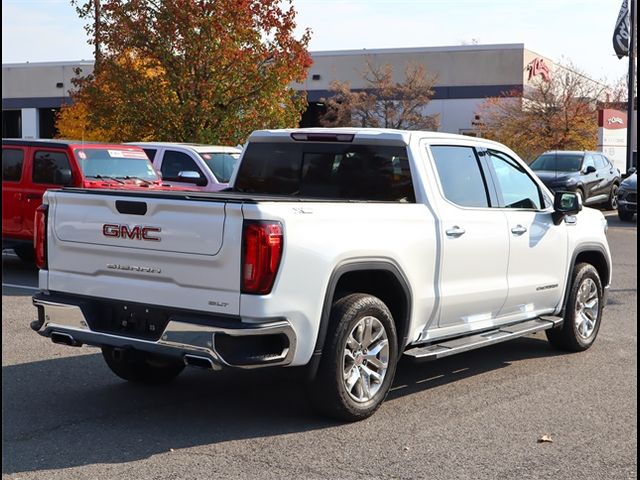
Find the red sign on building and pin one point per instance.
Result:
(537, 66)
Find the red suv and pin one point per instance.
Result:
(30, 167)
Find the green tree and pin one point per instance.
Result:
(207, 71)
(384, 103)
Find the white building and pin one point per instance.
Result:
(33, 92)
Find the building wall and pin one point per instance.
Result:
(39, 85)
(33, 93)
(465, 76)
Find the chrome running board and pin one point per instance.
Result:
(471, 342)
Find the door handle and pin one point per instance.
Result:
(456, 232)
(33, 196)
(519, 230)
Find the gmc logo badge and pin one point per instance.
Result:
(137, 232)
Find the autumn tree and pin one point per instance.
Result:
(384, 103)
(207, 71)
(555, 114)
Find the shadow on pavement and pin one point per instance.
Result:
(72, 411)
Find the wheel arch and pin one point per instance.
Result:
(594, 254)
(380, 277)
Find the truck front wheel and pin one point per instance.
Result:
(583, 311)
(359, 359)
(141, 367)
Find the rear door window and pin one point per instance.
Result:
(47, 166)
(12, 163)
(460, 175)
(327, 170)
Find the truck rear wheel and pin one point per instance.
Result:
(141, 367)
(359, 359)
(583, 311)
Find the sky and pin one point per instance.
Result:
(576, 30)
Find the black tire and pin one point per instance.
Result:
(625, 216)
(612, 203)
(25, 253)
(328, 392)
(569, 337)
(141, 367)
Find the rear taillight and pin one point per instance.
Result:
(262, 250)
(40, 236)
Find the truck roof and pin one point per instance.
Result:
(364, 134)
(198, 147)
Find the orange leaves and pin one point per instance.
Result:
(558, 114)
(196, 70)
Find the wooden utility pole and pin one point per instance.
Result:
(97, 39)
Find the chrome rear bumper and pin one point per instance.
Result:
(66, 323)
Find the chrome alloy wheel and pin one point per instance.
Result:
(614, 197)
(366, 359)
(587, 308)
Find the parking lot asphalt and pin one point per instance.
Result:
(477, 415)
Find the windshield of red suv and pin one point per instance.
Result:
(220, 164)
(115, 163)
(558, 162)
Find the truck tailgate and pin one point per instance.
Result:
(182, 252)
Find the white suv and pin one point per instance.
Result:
(202, 167)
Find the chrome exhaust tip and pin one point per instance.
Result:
(64, 339)
(199, 361)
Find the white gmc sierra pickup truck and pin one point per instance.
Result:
(335, 249)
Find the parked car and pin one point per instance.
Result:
(628, 198)
(30, 167)
(590, 174)
(339, 250)
(201, 167)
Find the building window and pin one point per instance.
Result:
(11, 124)
(47, 122)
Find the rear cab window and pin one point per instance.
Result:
(12, 164)
(327, 171)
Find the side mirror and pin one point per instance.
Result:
(63, 176)
(590, 169)
(192, 177)
(565, 203)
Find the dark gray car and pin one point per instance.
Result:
(590, 174)
(628, 198)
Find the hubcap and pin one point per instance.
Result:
(366, 359)
(614, 198)
(587, 308)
